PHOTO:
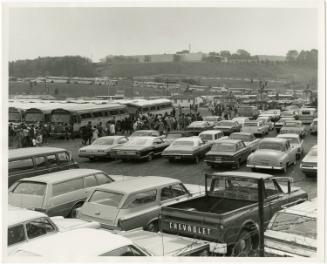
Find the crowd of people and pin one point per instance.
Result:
(35, 135)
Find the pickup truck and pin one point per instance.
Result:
(227, 214)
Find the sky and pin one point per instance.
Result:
(98, 32)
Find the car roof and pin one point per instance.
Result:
(17, 215)
(274, 139)
(289, 135)
(243, 174)
(138, 184)
(210, 132)
(73, 243)
(307, 208)
(31, 151)
(61, 176)
(231, 141)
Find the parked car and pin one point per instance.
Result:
(140, 148)
(228, 127)
(314, 126)
(272, 153)
(145, 133)
(241, 120)
(213, 120)
(291, 127)
(309, 163)
(228, 152)
(227, 215)
(189, 148)
(78, 244)
(248, 138)
(296, 142)
(161, 244)
(58, 193)
(101, 147)
(26, 225)
(255, 127)
(33, 161)
(172, 135)
(281, 122)
(211, 135)
(267, 121)
(137, 204)
(198, 126)
(273, 113)
(292, 232)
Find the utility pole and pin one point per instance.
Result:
(261, 198)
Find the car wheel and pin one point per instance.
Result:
(244, 245)
(196, 159)
(72, 213)
(152, 227)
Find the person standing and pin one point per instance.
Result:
(31, 136)
(112, 128)
(67, 130)
(89, 132)
(95, 134)
(100, 129)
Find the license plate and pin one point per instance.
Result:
(178, 157)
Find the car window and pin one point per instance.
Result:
(90, 181)
(102, 178)
(271, 188)
(39, 227)
(16, 234)
(40, 162)
(63, 157)
(106, 198)
(52, 159)
(122, 140)
(30, 188)
(67, 186)
(125, 251)
(172, 191)
(143, 198)
(20, 165)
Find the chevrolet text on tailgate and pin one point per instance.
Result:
(228, 213)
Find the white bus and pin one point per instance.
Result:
(306, 115)
(78, 115)
(16, 115)
(156, 106)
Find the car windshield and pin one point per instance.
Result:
(271, 145)
(295, 224)
(30, 188)
(106, 198)
(205, 137)
(254, 124)
(142, 134)
(313, 152)
(174, 135)
(103, 141)
(224, 147)
(186, 143)
(225, 123)
(292, 124)
(245, 138)
(139, 142)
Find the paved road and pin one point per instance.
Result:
(186, 172)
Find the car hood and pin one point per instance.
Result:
(291, 243)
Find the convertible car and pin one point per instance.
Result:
(293, 127)
(189, 148)
(139, 148)
(228, 126)
(272, 153)
(227, 152)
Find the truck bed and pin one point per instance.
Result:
(212, 205)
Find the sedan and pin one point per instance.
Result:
(190, 148)
(140, 148)
(173, 135)
(248, 138)
(228, 126)
(310, 162)
(281, 122)
(256, 127)
(101, 147)
(293, 127)
(272, 153)
(296, 142)
(228, 152)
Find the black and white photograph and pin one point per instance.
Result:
(168, 129)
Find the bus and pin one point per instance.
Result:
(16, 116)
(306, 115)
(78, 115)
(156, 106)
(38, 114)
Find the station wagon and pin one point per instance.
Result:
(58, 193)
(33, 161)
(137, 204)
